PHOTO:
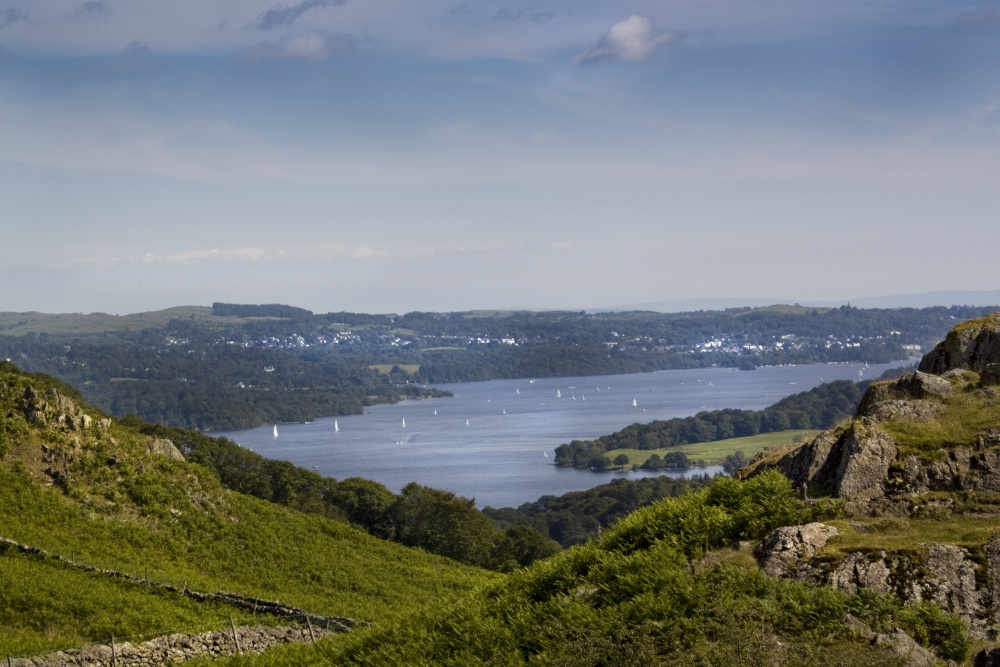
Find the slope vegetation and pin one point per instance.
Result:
(77, 483)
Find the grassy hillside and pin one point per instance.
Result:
(666, 586)
(75, 485)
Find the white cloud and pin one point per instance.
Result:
(635, 38)
(315, 46)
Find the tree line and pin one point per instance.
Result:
(819, 408)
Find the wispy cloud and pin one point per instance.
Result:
(315, 46)
(529, 15)
(130, 58)
(11, 16)
(635, 38)
(317, 252)
(980, 17)
(285, 16)
(93, 9)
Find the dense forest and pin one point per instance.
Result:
(237, 366)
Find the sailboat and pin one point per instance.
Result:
(275, 430)
(518, 391)
(558, 394)
(336, 427)
(435, 413)
(404, 422)
(505, 411)
(634, 404)
(466, 422)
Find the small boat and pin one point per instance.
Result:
(275, 430)
(336, 427)
(466, 422)
(404, 422)
(518, 391)
(634, 404)
(505, 412)
(545, 454)
(558, 394)
(435, 413)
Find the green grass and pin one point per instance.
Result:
(903, 534)
(116, 506)
(46, 606)
(385, 369)
(715, 452)
(965, 416)
(79, 324)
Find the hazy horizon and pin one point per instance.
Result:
(390, 156)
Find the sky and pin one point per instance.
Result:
(441, 155)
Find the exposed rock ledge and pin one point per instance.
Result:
(940, 573)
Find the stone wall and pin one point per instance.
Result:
(176, 647)
(236, 600)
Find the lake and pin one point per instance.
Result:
(494, 441)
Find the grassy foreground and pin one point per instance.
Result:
(100, 496)
(665, 586)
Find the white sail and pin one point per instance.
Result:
(404, 422)
(558, 394)
(634, 404)
(466, 422)
(275, 430)
(336, 426)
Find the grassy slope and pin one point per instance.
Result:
(122, 508)
(78, 324)
(633, 598)
(716, 451)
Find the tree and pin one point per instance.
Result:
(443, 523)
(521, 546)
(621, 460)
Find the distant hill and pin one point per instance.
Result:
(923, 300)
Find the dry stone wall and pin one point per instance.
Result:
(236, 600)
(176, 647)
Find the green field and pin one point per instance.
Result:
(715, 452)
(79, 324)
(410, 369)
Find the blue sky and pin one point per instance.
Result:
(391, 155)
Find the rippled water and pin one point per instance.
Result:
(494, 441)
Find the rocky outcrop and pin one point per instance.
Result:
(53, 409)
(165, 448)
(865, 457)
(943, 574)
(784, 550)
(852, 464)
(920, 388)
(973, 345)
(912, 653)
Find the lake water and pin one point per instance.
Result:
(494, 441)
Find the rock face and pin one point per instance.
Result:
(973, 345)
(852, 465)
(909, 388)
(780, 554)
(166, 448)
(54, 409)
(940, 573)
